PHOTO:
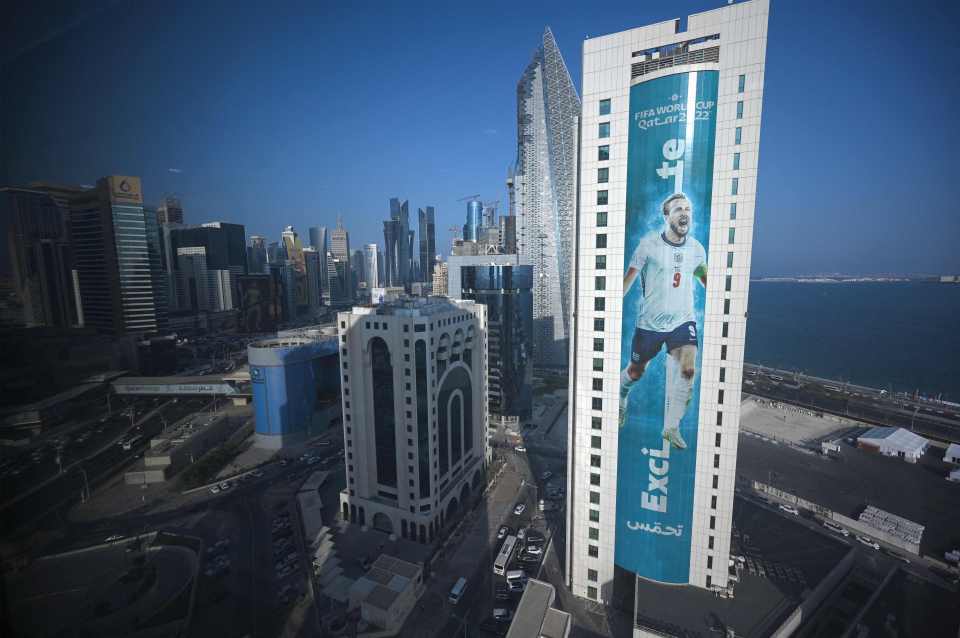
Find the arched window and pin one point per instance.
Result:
(384, 422)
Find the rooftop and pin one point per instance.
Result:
(413, 307)
(897, 437)
(532, 609)
(387, 578)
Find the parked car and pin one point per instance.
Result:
(534, 550)
(833, 527)
(519, 509)
(502, 532)
(789, 509)
(520, 449)
(868, 542)
(502, 614)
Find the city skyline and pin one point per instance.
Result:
(187, 142)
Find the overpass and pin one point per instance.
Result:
(235, 386)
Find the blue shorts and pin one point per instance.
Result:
(647, 343)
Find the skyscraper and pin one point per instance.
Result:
(396, 237)
(170, 211)
(418, 458)
(257, 255)
(660, 294)
(544, 185)
(36, 262)
(428, 241)
(371, 270)
(312, 261)
(109, 236)
(321, 241)
(471, 229)
(340, 249)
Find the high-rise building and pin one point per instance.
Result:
(397, 243)
(36, 262)
(672, 116)
(257, 255)
(471, 229)
(417, 457)
(412, 274)
(201, 288)
(440, 280)
(508, 235)
(507, 292)
(357, 270)
(109, 235)
(312, 262)
(224, 247)
(370, 266)
(340, 249)
(159, 274)
(428, 241)
(320, 240)
(544, 193)
(170, 211)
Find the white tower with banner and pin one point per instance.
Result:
(668, 159)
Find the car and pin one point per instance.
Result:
(546, 475)
(789, 509)
(534, 550)
(526, 557)
(113, 537)
(215, 489)
(503, 532)
(868, 542)
(284, 462)
(520, 449)
(521, 533)
(501, 614)
(535, 537)
(225, 485)
(325, 443)
(502, 592)
(519, 509)
(833, 527)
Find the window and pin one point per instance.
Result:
(716, 482)
(726, 306)
(740, 110)
(596, 403)
(735, 186)
(709, 562)
(723, 353)
(601, 240)
(598, 345)
(600, 283)
(593, 551)
(717, 439)
(602, 198)
(598, 324)
(595, 479)
(602, 219)
(730, 260)
(599, 304)
(720, 397)
(736, 161)
(719, 418)
(595, 442)
(709, 582)
(603, 130)
(594, 460)
(710, 542)
(726, 329)
(595, 498)
(603, 153)
(737, 135)
(723, 375)
(592, 574)
(603, 175)
(598, 365)
(733, 211)
(596, 423)
(601, 262)
(594, 534)
(731, 235)
(605, 107)
(713, 522)
(728, 283)
(598, 385)
(595, 516)
(592, 593)
(741, 83)
(713, 502)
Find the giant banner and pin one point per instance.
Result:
(669, 187)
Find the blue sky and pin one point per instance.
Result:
(290, 113)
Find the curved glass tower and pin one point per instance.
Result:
(544, 193)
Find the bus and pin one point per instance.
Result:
(506, 553)
(458, 590)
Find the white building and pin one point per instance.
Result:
(894, 442)
(371, 268)
(414, 381)
(952, 455)
(387, 593)
(726, 46)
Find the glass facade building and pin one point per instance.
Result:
(543, 193)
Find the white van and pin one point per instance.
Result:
(516, 580)
(833, 527)
(459, 588)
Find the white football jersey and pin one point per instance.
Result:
(666, 276)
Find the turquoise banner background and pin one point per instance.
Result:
(647, 541)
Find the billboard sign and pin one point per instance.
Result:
(258, 304)
(669, 189)
(125, 190)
